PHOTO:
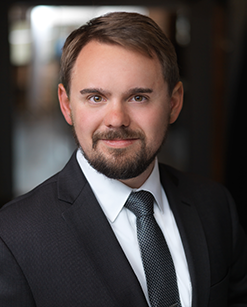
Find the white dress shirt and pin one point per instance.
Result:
(112, 195)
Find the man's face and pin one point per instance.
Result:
(119, 107)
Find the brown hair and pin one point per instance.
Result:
(130, 30)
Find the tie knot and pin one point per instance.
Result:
(140, 203)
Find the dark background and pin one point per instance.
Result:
(213, 68)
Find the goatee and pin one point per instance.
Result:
(123, 163)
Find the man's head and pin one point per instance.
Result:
(121, 97)
(129, 30)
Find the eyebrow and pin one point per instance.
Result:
(135, 90)
(93, 91)
(139, 90)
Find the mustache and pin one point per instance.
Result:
(117, 134)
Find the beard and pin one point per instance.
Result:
(122, 164)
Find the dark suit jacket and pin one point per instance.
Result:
(57, 248)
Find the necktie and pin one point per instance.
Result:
(156, 258)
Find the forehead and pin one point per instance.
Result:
(98, 61)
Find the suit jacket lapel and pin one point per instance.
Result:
(89, 224)
(192, 236)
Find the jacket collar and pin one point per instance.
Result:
(88, 222)
(192, 234)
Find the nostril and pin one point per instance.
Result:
(117, 118)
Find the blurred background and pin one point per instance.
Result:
(210, 38)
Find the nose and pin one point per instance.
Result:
(117, 115)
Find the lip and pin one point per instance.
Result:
(119, 143)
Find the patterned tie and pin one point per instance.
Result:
(157, 261)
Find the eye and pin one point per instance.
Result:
(96, 98)
(139, 98)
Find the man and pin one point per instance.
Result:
(77, 239)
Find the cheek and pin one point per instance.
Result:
(155, 123)
(157, 132)
(85, 123)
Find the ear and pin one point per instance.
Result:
(176, 101)
(64, 103)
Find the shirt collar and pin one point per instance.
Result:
(112, 194)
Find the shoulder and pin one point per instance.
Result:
(205, 194)
(37, 217)
(209, 200)
(29, 208)
(186, 180)
(43, 200)
(48, 187)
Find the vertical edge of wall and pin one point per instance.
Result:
(199, 96)
(6, 110)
